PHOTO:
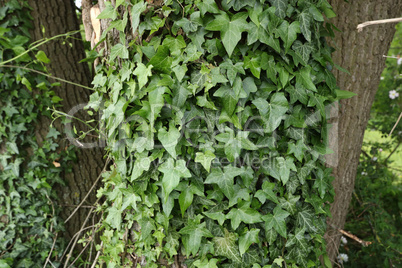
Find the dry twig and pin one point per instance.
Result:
(373, 22)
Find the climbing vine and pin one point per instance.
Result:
(215, 114)
(29, 222)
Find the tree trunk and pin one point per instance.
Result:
(58, 17)
(362, 55)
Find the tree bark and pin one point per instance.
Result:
(58, 17)
(361, 53)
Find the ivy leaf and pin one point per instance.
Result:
(136, 11)
(224, 179)
(169, 139)
(297, 149)
(208, 6)
(195, 232)
(303, 50)
(298, 240)
(243, 214)
(305, 219)
(321, 183)
(205, 263)
(205, 159)
(187, 195)
(172, 172)
(317, 15)
(226, 246)
(114, 217)
(267, 193)
(297, 93)
(247, 239)
(305, 18)
(284, 167)
(109, 12)
(175, 45)
(303, 77)
(253, 63)
(230, 29)
(142, 72)
(118, 50)
(281, 7)
(317, 101)
(288, 33)
(289, 204)
(161, 60)
(277, 221)
(277, 107)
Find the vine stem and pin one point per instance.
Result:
(47, 75)
(45, 40)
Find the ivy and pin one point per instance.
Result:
(217, 133)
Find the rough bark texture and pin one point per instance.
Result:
(362, 55)
(57, 17)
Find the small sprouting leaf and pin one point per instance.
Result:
(41, 56)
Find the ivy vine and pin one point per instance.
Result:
(215, 116)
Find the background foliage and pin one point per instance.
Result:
(29, 170)
(375, 213)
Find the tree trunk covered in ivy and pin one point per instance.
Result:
(362, 55)
(57, 17)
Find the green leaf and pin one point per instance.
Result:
(317, 101)
(297, 93)
(195, 232)
(142, 73)
(41, 56)
(288, 33)
(277, 221)
(253, 63)
(175, 45)
(305, 18)
(303, 77)
(321, 183)
(231, 29)
(281, 7)
(267, 193)
(317, 15)
(114, 217)
(226, 246)
(172, 172)
(109, 12)
(243, 214)
(247, 239)
(277, 107)
(305, 219)
(205, 159)
(208, 6)
(297, 149)
(205, 263)
(303, 50)
(224, 179)
(284, 167)
(161, 60)
(187, 195)
(344, 94)
(169, 139)
(118, 50)
(136, 11)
